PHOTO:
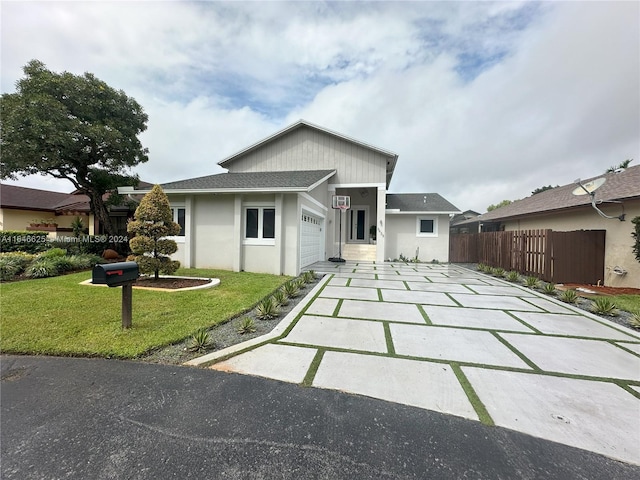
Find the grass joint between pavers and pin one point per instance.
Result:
(474, 399)
(313, 368)
(424, 315)
(516, 352)
(387, 336)
(337, 309)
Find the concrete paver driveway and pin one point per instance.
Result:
(448, 339)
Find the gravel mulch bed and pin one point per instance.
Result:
(226, 334)
(623, 317)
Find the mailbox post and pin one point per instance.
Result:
(122, 274)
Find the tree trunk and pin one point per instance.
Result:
(101, 212)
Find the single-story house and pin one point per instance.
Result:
(560, 209)
(272, 211)
(459, 223)
(22, 207)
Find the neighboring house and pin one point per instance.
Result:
(459, 223)
(272, 212)
(558, 209)
(20, 207)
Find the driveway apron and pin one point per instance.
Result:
(448, 339)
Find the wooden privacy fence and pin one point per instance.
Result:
(559, 257)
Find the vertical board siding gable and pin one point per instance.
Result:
(309, 149)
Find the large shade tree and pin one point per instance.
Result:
(153, 221)
(73, 127)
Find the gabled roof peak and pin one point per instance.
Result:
(294, 126)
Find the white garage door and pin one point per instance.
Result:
(311, 239)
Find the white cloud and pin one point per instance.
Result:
(556, 96)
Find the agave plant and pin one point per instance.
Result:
(569, 296)
(549, 288)
(281, 298)
(604, 306)
(513, 276)
(532, 282)
(291, 289)
(246, 326)
(200, 341)
(267, 309)
(309, 276)
(498, 272)
(634, 321)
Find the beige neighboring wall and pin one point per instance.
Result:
(14, 219)
(618, 241)
(401, 238)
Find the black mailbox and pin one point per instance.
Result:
(115, 274)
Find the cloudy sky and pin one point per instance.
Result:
(482, 101)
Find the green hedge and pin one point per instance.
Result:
(84, 244)
(23, 241)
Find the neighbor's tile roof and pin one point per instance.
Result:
(12, 196)
(23, 198)
(419, 202)
(618, 186)
(301, 179)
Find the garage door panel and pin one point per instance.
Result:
(311, 240)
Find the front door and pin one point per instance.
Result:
(358, 222)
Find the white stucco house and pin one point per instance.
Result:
(272, 211)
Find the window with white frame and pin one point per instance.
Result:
(179, 214)
(427, 226)
(260, 225)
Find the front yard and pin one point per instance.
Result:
(57, 316)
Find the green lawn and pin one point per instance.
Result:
(630, 303)
(58, 316)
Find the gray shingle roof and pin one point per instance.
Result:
(618, 186)
(419, 202)
(299, 180)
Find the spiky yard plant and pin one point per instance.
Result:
(634, 320)
(604, 306)
(267, 309)
(42, 268)
(291, 289)
(549, 288)
(281, 298)
(569, 296)
(309, 276)
(513, 276)
(532, 282)
(498, 272)
(200, 341)
(246, 326)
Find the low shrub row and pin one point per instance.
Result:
(50, 263)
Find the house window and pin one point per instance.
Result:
(179, 217)
(260, 225)
(427, 227)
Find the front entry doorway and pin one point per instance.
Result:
(358, 218)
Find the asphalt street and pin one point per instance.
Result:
(102, 419)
